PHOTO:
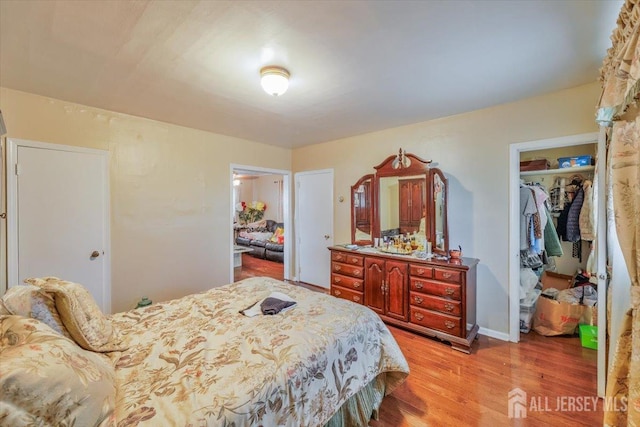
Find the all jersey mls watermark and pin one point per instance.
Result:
(519, 404)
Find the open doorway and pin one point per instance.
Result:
(553, 147)
(261, 224)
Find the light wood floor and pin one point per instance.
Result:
(450, 388)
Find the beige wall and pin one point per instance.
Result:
(170, 191)
(473, 151)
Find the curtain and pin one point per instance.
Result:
(620, 76)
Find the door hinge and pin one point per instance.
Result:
(17, 169)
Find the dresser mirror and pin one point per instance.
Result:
(362, 211)
(404, 196)
(402, 207)
(439, 199)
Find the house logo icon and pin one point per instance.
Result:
(517, 403)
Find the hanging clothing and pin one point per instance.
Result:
(561, 227)
(573, 217)
(527, 209)
(540, 193)
(535, 217)
(587, 214)
(551, 240)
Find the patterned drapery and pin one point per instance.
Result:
(620, 76)
(620, 72)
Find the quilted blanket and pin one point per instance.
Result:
(196, 361)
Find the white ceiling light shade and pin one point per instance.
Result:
(274, 80)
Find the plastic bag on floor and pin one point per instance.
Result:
(528, 281)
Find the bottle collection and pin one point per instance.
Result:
(406, 243)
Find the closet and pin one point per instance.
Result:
(559, 193)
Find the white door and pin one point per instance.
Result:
(58, 209)
(314, 226)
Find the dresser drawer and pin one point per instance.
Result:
(420, 271)
(347, 282)
(348, 294)
(347, 258)
(446, 275)
(431, 319)
(438, 289)
(347, 270)
(442, 305)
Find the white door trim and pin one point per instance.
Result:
(514, 215)
(297, 210)
(12, 210)
(286, 212)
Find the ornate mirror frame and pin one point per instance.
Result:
(433, 192)
(438, 198)
(362, 211)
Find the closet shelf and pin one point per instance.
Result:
(568, 171)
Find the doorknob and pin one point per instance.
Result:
(326, 237)
(95, 254)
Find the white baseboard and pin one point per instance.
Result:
(504, 336)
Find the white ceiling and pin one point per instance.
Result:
(356, 66)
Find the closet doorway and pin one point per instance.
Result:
(567, 264)
(261, 222)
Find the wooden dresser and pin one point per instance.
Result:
(430, 297)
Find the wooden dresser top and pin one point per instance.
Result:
(461, 263)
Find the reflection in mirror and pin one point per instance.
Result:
(361, 211)
(439, 188)
(402, 206)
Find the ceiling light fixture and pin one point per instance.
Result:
(274, 80)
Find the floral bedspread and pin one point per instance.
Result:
(197, 361)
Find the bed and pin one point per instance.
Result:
(198, 361)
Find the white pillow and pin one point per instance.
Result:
(257, 235)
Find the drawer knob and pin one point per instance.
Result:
(419, 285)
(420, 271)
(357, 273)
(449, 291)
(449, 324)
(354, 260)
(337, 292)
(448, 306)
(356, 285)
(418, 300)
(337, 279)
(337, 268)
(339, 257)
(419, 316)
(446, 275)
(356, 298)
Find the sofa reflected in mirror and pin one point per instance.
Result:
(264, 238)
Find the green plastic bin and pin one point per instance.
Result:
(589, 336)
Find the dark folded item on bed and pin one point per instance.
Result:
(275, 303)
(272, 306)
